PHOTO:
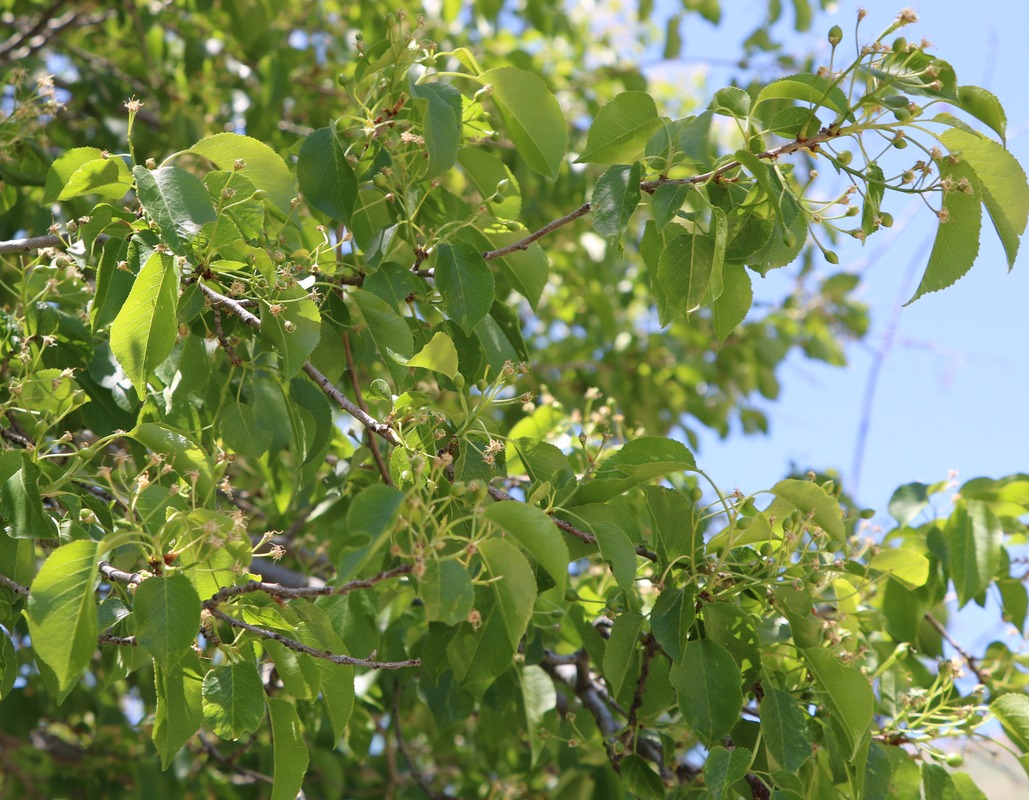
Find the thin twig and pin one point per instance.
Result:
(523, 244)
(13, 585)
(229, 762)
(300, 647)
(288, 592)
(124, 641)
(119, 576)
(973, 663)
(223, 339)
(373, 444)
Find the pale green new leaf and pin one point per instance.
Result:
(465, 283)
(438, 355)
(21, 502)
(806, 88)
(167, 612)
(810, 498)
(621, 129)
(708, 684)
(535, 531)
(289, 748)
(957, 239)
(233, 699)
(1013, 712)
(145, 330)
(908, 566)
(263, 167)
(66, 165)
(106, 177)
(178, 201)
(532, 116)
(538, 697)
(847, 692)
(62, 611)
(1005, 192)
(638, 460)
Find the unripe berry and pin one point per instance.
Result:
(886, 218)
(900, 144)
(835, 35)
(789, 238)
(831, 256)
(845, 157)
(955, 759)
(696, 494)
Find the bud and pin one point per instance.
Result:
(835, 35)
(239, 163)
(459, 380)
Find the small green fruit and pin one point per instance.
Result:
(900, 144)
(886, 219)
(845, 157)
(835, 35)
(831, 256)
(955, 759)
(696, 494)
(789, 238)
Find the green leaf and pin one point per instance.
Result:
(167, 612)
(667, 202)
(1005, 192)
(290, 754)
(338, 694)
(616, 196)
(465, 283)
(637, 461)
(178, 201)
(1013, 712)
(538, 697)
(671, 618)
(446, 590)
(674, 518)
(806, 88)
(622, 655)
(724, 767)
(9, 665)
(441, 125)
(957, 239)
(21, 503)
(810, 498)
(106, 177)
(732, 305)
(439, 355)
(640, 779)
(908, 501)
(179, 708)
(732, 101)
(707, 683)
(909, 567)
(144, 332)
(487, 172)
(974, 539)
(325, 176)
(532, 117)
(937, 783)
(784, 727)
(985, 107)
(617, 549)
(233, 698)
(534, 531)
(294, 331)
(370, 519)
(64, 167)
(62, 611)
(689, 268)
(264, 168)
(241, 431)
(387, 328)
(515, 591)
(847, 692)
(966, 788)
(621, 129)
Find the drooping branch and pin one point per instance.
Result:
(300, 647)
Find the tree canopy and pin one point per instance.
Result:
(353, 357)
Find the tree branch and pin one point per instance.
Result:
(300, 647)
(118, 576)
(372, 443)
(973, 663)
(523, 244)
(31, 243)
(125, 641)
(286, 592)
(13, 585)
